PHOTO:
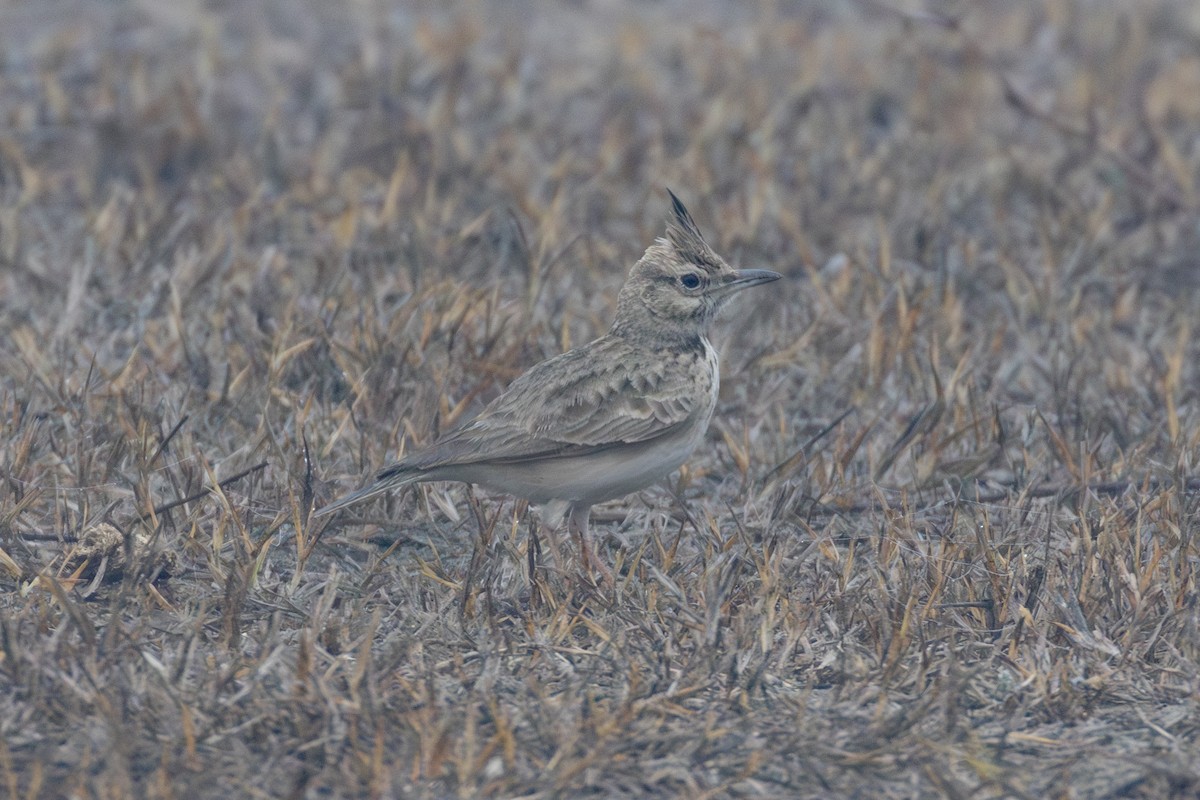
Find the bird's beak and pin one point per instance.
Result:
(745, 278)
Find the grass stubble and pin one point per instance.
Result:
(941, 541)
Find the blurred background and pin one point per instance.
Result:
(276, 243)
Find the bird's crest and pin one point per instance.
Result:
(682, 231)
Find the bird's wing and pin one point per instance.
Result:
(599, 395)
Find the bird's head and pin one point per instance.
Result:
(680, 284)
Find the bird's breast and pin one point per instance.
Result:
(617, 469)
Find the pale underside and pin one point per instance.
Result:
(595, 423)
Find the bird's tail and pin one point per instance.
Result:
(387, 478)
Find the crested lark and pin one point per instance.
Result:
(610, 417)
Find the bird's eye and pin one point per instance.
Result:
(689, 280)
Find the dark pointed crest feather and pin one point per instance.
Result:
(682, 231)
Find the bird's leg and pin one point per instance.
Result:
(551, 518)
(578, 523)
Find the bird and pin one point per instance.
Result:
(607, 418)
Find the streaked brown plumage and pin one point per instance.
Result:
(610, 417)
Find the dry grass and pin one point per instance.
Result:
(941, 542)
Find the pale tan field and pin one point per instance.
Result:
(942, 538)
